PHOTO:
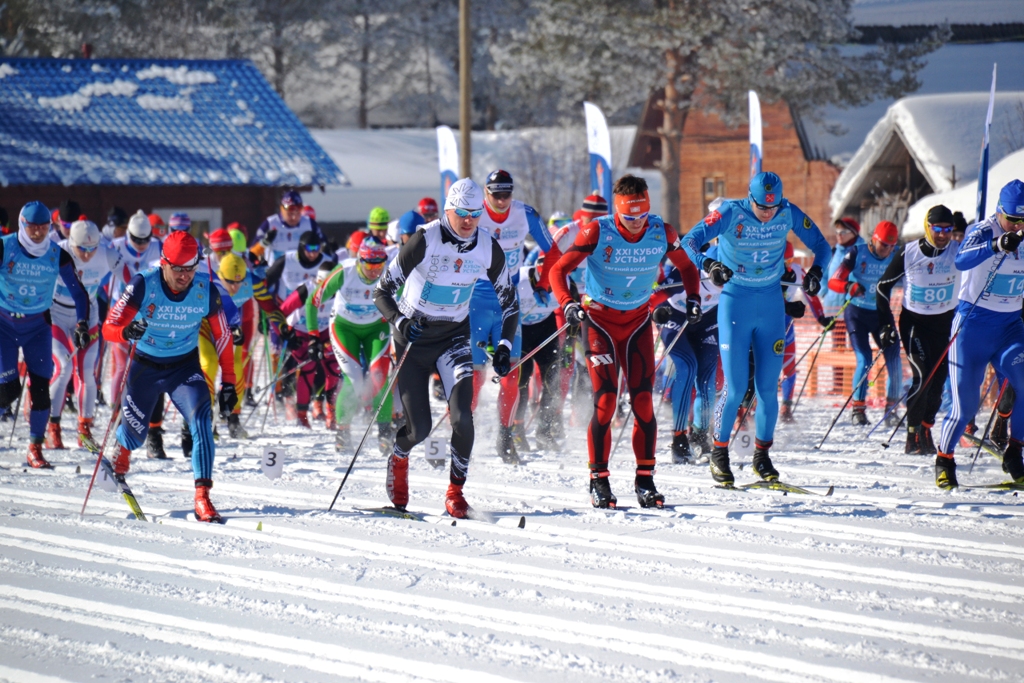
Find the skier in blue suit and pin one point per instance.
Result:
(752, 241)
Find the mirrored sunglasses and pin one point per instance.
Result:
(627, 217)
(465, 213)
(1014, 219)
(941, 229)
(501, 196)
(87, 250)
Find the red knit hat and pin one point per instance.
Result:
(181, 249)
(595, 204)
(220, 240)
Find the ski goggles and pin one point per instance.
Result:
(311, 247)
(940, 229)
(466, 213)
(630, 219)
(87, 250)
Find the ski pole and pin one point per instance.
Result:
(533, 353)
(988, 427)
(262, 392)
(828, 328)
(867, 373)
(391, 382)
(115, 416)
(17, 409)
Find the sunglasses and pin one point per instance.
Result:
(630, 219)
(500, 196)
(180, 269)
(465, 213)
(1014, 219)
(140, 240)
(761, 207)
(941, 229)
(87, 250)
(311, 247)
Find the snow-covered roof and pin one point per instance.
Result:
(934, 12)
(940, 132)
(964, 198)
(150, 122)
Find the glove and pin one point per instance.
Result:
(237, 337)
(825, 320)
(812, 281)
(854, 289)
(269, 237)
(717, 271)
(795, 309)
(135, 330)
(316, 349)
(887, 336)
(693, 310)
(1008, 242)
(81, 335)
(789, 276)
(661, 315)
(411, 329)
(228, 398)
(290, 337)
(574, 315)
(541, 297)
(501, 361)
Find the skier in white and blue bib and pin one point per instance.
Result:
(752, 242)
(988, 318)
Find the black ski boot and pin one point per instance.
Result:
(945, 473)
(385, 437)
(601, 495)
(1013, 464)
(913, 446)
(681, 454)
(925, 440)
(186, 442)
(999, 434)
(506, 447)
(519, 437)
(343, 438)
(762, 463)
(235, 428)
(720, 470)
(155, 444)
(860, 417)
(700, 439)
(646, 494)
(786, 413)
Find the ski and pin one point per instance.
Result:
(774, 486)
(986, 445)
(1003, 486)
(393, 512)
(126, 491)
(220, 520)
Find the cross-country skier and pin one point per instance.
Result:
(988, 317)
(357, 332)
(536, 313)
(439, 267)
(161, 310)
(428, 209)
(847, 236)
(929, 303)
(857, 277)
(93, 262)
(509, 221)
(280, 232)
(30, 265)
(752, 236)
(623, 252)
(795, 308)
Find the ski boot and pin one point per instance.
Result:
(385, 437)
(205, 512)
(455, 503)
(913, 446)
(1013, 464)
(891, 419)
(302, 419)
(720, 470)
(54, 442)
(999, 434)
(601, 495)
(786, 413)
(35, 456)
(69, 403)
(155, 444)
(438, 388)
(681, 454)
(331, 421)
(397, 483)
(317, 410)
(186, 442)
(290, 410)
(519, 437)
(250, 400)
(646, 494)
(700, 439)
(85, 438)
(945, 472)
(100, 400)
(860, 417)
(122, 462)
(343, 438)
(927, 445)
(762, 463)
(506, 447)
(971, 428)
(235, 428)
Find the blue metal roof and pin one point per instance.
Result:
(151, 122)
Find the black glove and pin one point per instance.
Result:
(693, 310)
(1008, 242)
(501, 361)
(789, 276)
(290, 337)
(316, 349)
(887, 336)
(237, 337)
(81, 335)
(718, 271)
(825, 320)
(269, 237)
(795, 309)
(661, 314)
(574, 313)
(227, 397)
(812, 281)
(411, 328)
(135, 330)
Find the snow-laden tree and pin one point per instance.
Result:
(704, 56)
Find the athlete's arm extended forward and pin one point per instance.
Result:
(581, 248)
(325, 291)
(976, 248)
(410, 255)
(501, 280)
(124, 311)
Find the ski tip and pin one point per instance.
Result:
(522, 522)
(831, 490)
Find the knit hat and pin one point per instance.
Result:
(220, 240)
(139, 225)
(595, 203)
(180, 249)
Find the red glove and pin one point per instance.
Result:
(855, 289)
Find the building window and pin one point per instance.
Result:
(713, 187)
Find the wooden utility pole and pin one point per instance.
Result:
(465, 92)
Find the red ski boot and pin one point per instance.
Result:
(85, 438)
(454, 503)
(332, 420)
(302, 419)
(205, 512)
(317, 410)
(398, 481)
(123, 461)
(54, 442)
(36, 459)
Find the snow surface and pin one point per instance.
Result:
(888, 579)
(936, 130)
(965, 197)
(934, 12)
